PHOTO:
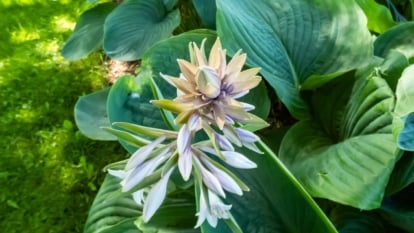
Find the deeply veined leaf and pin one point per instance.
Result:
(90, 115)
(399, 37)
(347, 151)
(135, 25)
(206, 9)
(88, 33)
(379, 17)
(112, 212)
(298, 44)
(276, 201)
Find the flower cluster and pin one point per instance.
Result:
(207, 100)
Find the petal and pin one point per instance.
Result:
(219, 116)
(156, 196)
(208, 82)
(238, 160)
(182, 84)
(136, 175)
(117, 173)
(188, 70)
(245, 135)
(241, 86)
(217, 207)
(203, 210)
(223, 142)
(199, 57)
(226, 181)
(185, 163)
(231, 135)
(138, 197)
(171, 105)
(234, 67)
(194, 122)
(209, 180)
(143, 153)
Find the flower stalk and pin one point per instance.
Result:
(207, 101)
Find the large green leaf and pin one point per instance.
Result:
(276, 201)
(298, 44)
(206, 9)
(162, 58)
(399, 37)
(405, 93)
(404, 108)
(88, 33)
(403, 173)
(398, 209)
(351, 220)
(90, 115)
(116, 212)
(112, 212)
(129, 101)
(347, 151)
(135, 25)
(379, 17)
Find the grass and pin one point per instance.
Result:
(49, 172)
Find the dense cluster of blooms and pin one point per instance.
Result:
(207, 100)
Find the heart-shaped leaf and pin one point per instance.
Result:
(298, 44)
(129, 101)
(112, 211)
(135, 25)
(88, 34)
(399, 37)
(347, 151)
(90, 115)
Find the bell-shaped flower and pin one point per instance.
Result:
(156, 196)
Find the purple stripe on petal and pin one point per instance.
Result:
(238, 160)
(142, 153)
(156, 196)
(245, 135)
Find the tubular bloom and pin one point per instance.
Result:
(207, 93)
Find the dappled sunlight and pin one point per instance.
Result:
(63, 23)
(8, 3)
(23, 35)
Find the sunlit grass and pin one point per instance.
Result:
(49, 172)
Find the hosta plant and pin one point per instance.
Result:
(333, 155)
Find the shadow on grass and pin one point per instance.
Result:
(49, 172)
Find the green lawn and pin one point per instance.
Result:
(49, 172)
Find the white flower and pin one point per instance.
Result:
(212, 210)
(156, 196)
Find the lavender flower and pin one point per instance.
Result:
(207, 99)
